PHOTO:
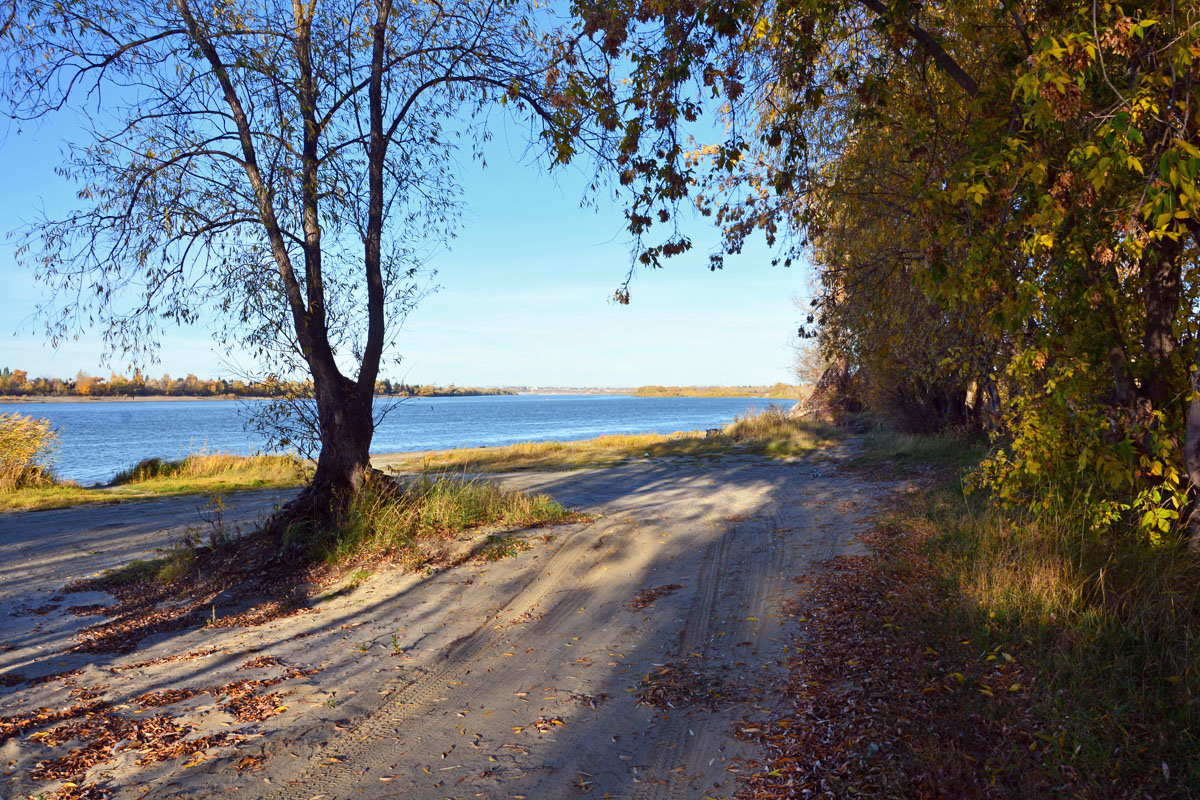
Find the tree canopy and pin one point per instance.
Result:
(289, 165)
(999, 199)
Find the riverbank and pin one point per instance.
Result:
(99, 439)
(211, 475)
(769, 433)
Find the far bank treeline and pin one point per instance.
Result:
(778, 391)
(17, 383)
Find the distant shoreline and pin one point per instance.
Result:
(124, 398)
(34, 400)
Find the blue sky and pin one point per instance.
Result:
(524, 294)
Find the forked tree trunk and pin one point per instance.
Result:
(344, 462)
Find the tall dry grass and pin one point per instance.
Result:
(390, 521)
(767, 432)
(26, 446)
(771, 431)
(264, 468)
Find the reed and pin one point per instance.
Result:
(26, 447)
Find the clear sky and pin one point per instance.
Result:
(523, 298)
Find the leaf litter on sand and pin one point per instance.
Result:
(233, 575)
(689, 683)
(100, 731)
(103, 731)
(647, 597)
(878, 703)
(191, 655)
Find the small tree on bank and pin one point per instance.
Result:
(288, 164)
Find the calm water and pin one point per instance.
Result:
(98, 439)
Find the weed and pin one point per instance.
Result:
(213, 513)
(498, 546)
(357, 578)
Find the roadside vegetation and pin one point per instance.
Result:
(1013, 651)
(397, 521)
(900, 452)
(770, 432)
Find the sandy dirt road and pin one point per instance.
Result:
(516, 678)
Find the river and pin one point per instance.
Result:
(97, 439)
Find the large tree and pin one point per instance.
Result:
(1030, 168)
(288, 164)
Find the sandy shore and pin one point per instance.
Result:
(491, 679)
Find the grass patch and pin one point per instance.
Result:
(202, 473)
(136, 571)
(883, 446)
(497, 546)
(50, 495)
(1111, 625)
(769, 433)
(174, 566)
(398, 522)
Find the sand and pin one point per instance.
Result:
(514, 678)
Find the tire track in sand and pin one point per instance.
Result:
(732, 544)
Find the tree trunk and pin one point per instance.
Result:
(344, 463)
(1162, 309)
(1191, 454)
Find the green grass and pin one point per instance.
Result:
(175, 565)
(204, 473)
(768, 433)
(497, 546)
(395, 522)
(883, 446)
(1108, 623)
